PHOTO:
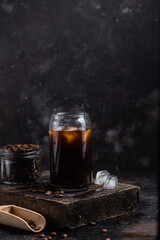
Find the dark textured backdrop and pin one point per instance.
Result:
(98, 56)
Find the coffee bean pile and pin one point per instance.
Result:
(21, 147)
(20, 163)
(51, 235)
(33, 225)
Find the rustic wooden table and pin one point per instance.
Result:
(142, 224)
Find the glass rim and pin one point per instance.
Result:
(59, 114)
(25, 152)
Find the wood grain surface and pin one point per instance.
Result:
(75, 209)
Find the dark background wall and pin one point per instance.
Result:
(98, 56)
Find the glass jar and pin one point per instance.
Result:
(70, 151)
(20, 167)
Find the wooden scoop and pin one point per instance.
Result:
(14, 216)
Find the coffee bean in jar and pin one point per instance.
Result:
(20, 163)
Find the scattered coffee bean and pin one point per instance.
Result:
(58, 195)
(93, 223)
(64, 235)
(41, 235)
(33, 190)
(44, 238)
(62, 192)
(48, 192)
(59, 192)
(61, 195)
(104, 230)
(32, 226)
(29, 221)
(107, 239)
(32, 238)
(41, 190)
(49, 237)
(56, 192)
(37, 227)
(53, 233)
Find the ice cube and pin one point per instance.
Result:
(70, 128)
(102, 177)
(112, 182)
(58, 129)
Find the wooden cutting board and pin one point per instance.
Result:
(75, 209)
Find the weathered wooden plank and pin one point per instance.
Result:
(75, 209)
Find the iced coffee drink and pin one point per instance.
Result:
(70, 153)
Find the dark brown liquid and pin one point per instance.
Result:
(70, 158)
